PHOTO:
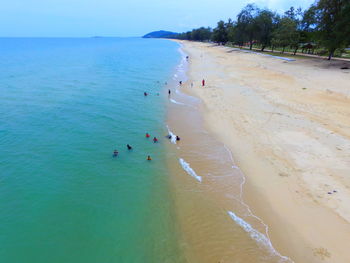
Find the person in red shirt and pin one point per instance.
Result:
(147, 135)
(155, 139)
(203, 83)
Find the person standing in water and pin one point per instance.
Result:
(145, 94)
(155, 140)
(147, 135)
(129, 147)
(169, 92)
(115, 153)
(149, 158)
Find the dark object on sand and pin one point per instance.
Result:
(344, 68)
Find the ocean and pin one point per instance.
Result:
(66, 105)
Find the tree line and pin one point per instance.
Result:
(325, 24)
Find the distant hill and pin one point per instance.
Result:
(160, 34)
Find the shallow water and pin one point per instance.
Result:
(66, 104)
(216, 224)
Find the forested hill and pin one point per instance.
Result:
(160, 34)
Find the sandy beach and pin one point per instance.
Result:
(287, 124)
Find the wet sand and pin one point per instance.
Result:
(215, 224)
(287, 125)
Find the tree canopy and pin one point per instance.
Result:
(325, 24)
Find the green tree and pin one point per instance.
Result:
(332, 24)
(247, 27)
(265, 25)
(220, 33)
(286, 33)
(201, 34)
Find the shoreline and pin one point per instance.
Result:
(282, 197)
(206, 178)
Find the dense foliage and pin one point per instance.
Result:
(324, 26)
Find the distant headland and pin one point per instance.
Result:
(160, 34)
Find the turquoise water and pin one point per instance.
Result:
(66, 104)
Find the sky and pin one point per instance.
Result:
(85, 18)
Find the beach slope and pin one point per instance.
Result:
(288, 126)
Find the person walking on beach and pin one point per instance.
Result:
(203, 82)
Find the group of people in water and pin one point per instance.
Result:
(155, 140)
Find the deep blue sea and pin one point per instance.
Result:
(66, 104)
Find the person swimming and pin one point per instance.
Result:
(149, 158)
(129, 147)
(145, 94)
(177, 138)
(147, 135)
(155, 139)
(115, 153)
(169, 136)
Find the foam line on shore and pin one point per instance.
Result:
(176, 102)
(173, 136)
(250, 213)
(186, 166)
(256, 235)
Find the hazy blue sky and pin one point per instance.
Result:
(119, 18)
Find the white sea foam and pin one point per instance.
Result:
(176, 102)
(253, 232)
(256, 235)
(189, 170)
(173, 136)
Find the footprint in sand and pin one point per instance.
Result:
(321, 252)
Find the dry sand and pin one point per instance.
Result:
(288, 126)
